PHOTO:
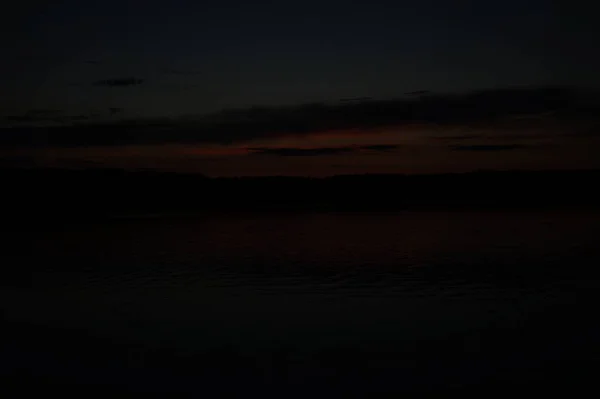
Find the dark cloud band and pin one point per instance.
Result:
(119, 82)
(485, 108)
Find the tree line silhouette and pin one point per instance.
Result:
(63, 193)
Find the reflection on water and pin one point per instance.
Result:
(445, 297)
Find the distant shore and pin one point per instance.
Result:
(61, 194)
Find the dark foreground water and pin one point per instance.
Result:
(304, 304)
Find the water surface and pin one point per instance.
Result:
(351, 302)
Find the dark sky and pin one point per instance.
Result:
(140, 59)
(198, 56)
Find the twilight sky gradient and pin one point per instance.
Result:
(91, 63)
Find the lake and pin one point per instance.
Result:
(299, 304)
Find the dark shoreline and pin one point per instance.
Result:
(38, 195)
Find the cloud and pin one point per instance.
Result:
(380, 147)
(355, 99)
(38, 117)
(115, 110)
(299, 152)
(79, 117)
(489, 147)
(592, 130)
(239, 126)
(119, 82)
(23, 118)
(417, 92)
(170, 71)
(459, 137)
(526, 136)
(43, 111)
